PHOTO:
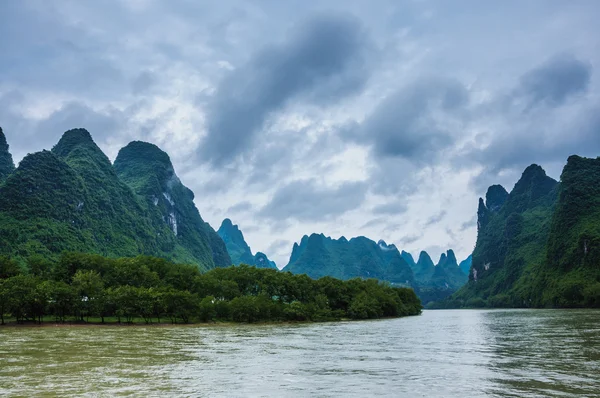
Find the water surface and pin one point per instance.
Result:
(504, 353)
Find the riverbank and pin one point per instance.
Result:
(12, 323)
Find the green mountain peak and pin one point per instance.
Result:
(71, 199)
(73, 139)
(409, 259)
(148, 170)
(542, 247)
(495, 197)
(318, 256)
(238, 249)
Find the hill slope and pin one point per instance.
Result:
(238, 249)
(71, 199)
(447, 273)
(319, 256)
(149, 172)
(540, 246)
(465, 265)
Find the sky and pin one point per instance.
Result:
(386, 119)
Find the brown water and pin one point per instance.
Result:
(504, 353)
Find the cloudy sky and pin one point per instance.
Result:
(386, 119)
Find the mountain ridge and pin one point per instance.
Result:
(238, 249)
(541, 246)
(71, 199)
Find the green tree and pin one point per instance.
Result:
(206, 310)
(8, 268)
(144, 303)
(21, 290)
(90, 287)
(63, 299)
(364, 307)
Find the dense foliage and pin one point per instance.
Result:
(79, 287)
(71, 199)
(238, 249)
(540, 245)
(149, 172)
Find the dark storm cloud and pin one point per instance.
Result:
(468, 224)
(411, 122)
(407, 240)
(41, 51)
(544, 119)
(305, 200)
(390, 208)
(27, 135)
(143, 82)
(374, 222)
(322, 61)
(240, 207)
(436, 218)
(555, 81)
(451, 234)
(75, 114)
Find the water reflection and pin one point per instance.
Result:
(441, 353)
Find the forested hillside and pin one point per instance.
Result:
(72, 199)
(539, 245)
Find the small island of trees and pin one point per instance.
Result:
(87, 288)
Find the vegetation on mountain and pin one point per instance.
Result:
(238, 249)
(424, 268)
(80, 287)
(318, 256)
(436, 282)
(447, 273)
(540, 245)
(71, 199)
(149, 172)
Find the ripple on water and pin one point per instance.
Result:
(512, 353)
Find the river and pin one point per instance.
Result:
(447, 353)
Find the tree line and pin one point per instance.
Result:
(86, 287)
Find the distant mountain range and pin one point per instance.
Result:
(360, 257)
(318, 256)
(238, 249)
